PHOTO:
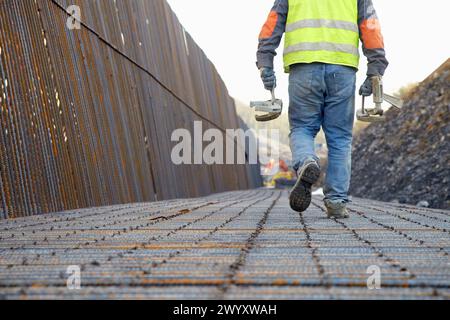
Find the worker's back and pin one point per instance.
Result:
(322, 31)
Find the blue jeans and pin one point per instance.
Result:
(323, 95)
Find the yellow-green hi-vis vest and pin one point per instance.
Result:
(322, 31)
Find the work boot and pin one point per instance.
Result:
(300, 197)
(337, 210)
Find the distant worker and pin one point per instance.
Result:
(321, 54)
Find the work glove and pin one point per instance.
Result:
(366, 88)
(268, 78)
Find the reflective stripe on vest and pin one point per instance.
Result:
(322, 46)
(322, 31)
(322, 23)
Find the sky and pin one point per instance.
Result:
(416, 36)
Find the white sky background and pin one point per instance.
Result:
(416, 36)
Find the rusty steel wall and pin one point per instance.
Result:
(87, 115)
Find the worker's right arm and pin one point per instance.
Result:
(372, 39)
(271, 34)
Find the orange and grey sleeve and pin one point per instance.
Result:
(372, 38)
(271, 34)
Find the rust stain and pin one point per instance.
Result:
(280, 282)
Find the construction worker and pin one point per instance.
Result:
(321, 56)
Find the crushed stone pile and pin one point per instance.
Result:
(407, 158)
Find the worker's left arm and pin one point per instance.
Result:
(271, 34)
(371, 38)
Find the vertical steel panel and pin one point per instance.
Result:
(87, 115)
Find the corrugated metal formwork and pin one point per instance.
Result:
(87, 115)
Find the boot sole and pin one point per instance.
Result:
(300, 198)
